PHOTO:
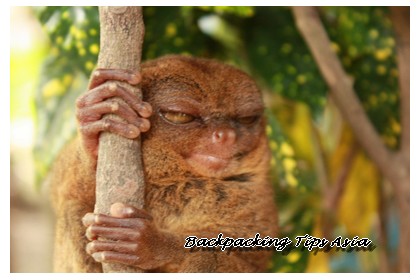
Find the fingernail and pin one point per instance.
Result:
(145, 125)
(146, 110)
(89, 234)
(99, 256)
(117, 209)
(135, 78)
(133, 131)
(89, 247)
(127, 211)
(88, 219)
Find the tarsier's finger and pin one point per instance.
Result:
(145, 110)
(129, 94)
(99, 76)
(113, 233)
(104, 220)
(115, 106)
(114, 257)
(126, 211)
(121, 247)
(91, 130)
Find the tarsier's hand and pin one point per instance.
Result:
(95, 103)
(128, 236)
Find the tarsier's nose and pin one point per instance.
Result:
(224, 136)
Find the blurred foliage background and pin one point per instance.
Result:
(313, 148)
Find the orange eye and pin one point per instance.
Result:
(177, 117)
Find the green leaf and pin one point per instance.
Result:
(364, 40)
(278, 55)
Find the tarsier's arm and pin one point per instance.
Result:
(73, 176)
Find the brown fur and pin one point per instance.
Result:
(237, 202)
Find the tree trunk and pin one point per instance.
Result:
(401, 21)
(119, 175)
(395, 167)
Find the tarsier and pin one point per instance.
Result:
(206, 164)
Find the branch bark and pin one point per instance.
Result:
(392, 166)
(401, 21)
(337, 189)
(400, 17)
(310, 26)
(333, 193)
(119, 175)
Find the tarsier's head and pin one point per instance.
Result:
(208, 118)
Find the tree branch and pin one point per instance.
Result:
(400, 17)
(335, 191)
(119, 176)
(393, 167)
(310, 26)
(338, 187)
(401, 20)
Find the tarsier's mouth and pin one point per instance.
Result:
(211, 162)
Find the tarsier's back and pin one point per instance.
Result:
(206, 163)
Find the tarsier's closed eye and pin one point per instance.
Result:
(177, 117)
(248, 120)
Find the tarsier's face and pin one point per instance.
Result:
(208, 113)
